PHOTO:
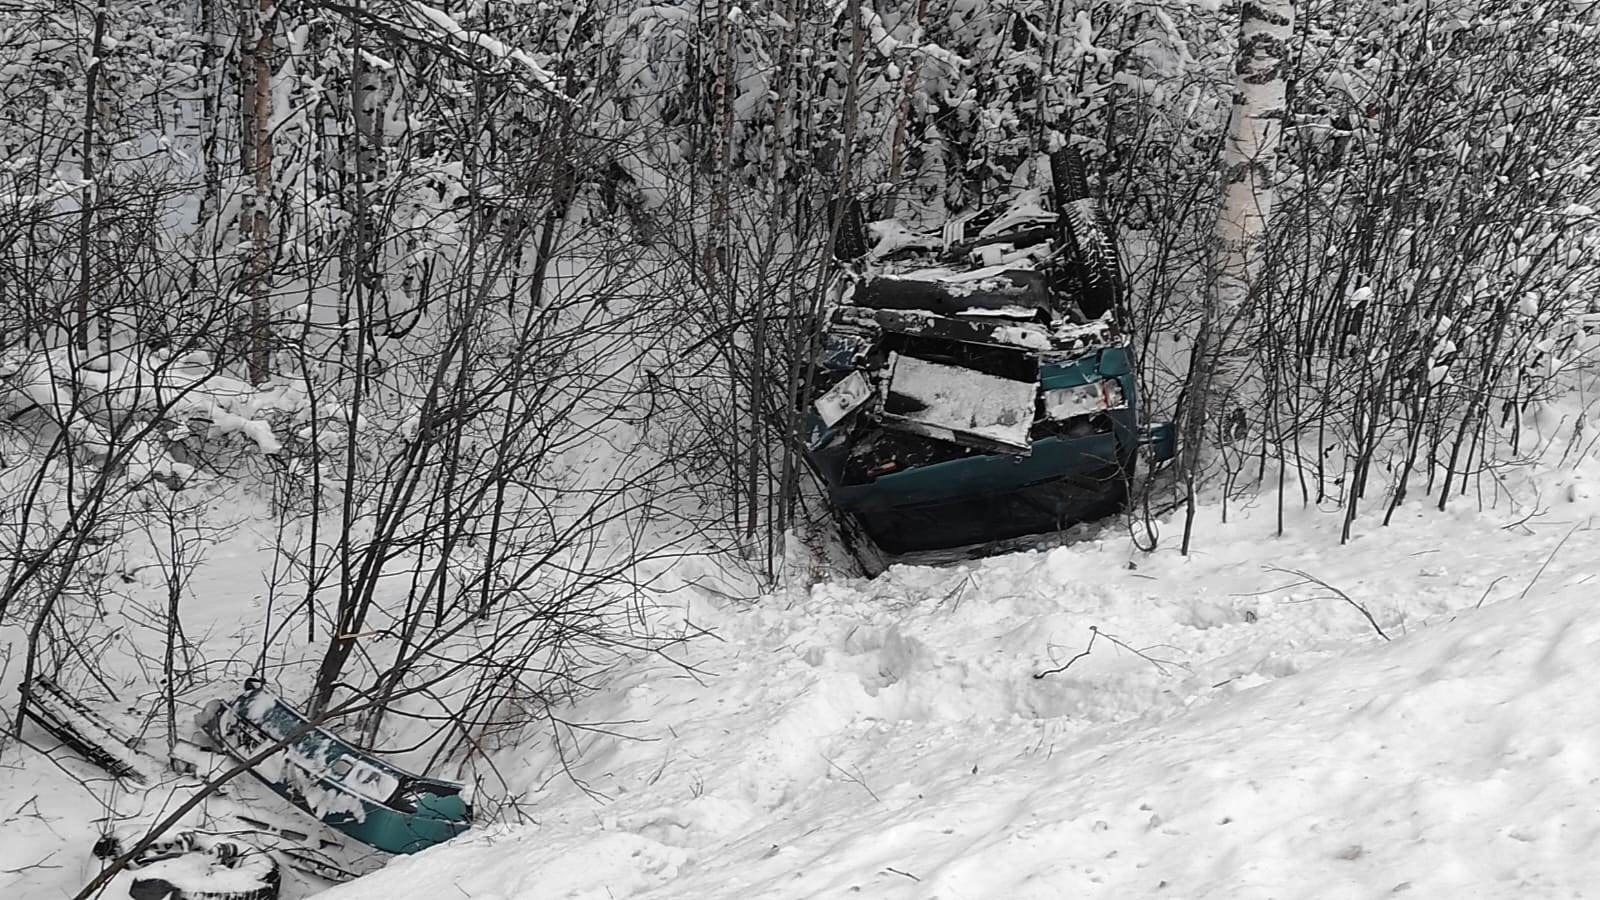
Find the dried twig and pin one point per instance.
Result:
(1094, 632)
(1547, 561)
(956, 593)
(854, 778)
(1479, 604)
(1312, 579)
(1160, 664)
(41, 865)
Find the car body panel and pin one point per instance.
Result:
(356, 793)
(946, 458)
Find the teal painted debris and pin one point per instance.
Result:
(346, 788)
(978, 384)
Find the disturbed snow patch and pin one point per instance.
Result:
(1243, 735)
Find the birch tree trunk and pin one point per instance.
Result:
(1219, 367)
(211, 86)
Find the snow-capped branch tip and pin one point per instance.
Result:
(444, 26)
(419, 21)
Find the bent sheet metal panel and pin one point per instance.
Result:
(964, 402)
(975, 476)
(323, 776)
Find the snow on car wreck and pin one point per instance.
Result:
(977, 385)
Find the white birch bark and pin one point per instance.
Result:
(1222, 351)
(1250, 153)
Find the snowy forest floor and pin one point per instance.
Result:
(889, 738)
(1236, 729)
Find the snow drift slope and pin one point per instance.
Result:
(888, 738)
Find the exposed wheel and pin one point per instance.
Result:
(1097, 267)
(850, 241)
(196, 866)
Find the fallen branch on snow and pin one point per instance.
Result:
(1307, 578)
(1095, 632)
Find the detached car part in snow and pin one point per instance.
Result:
(353, 792)
(103, 734)
(71, 721)
(196, 866)
(977, 385)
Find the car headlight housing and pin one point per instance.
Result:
(1083, 399)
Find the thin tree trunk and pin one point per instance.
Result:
(719, 255)
(90, 191)
(346, 619)
(908, 90)
(781, 192)
(261, 141)
(852, 111)
(174, 629)
(724, 100)
(1049, 52)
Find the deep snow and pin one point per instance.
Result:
(1235, 729)
(888, 738)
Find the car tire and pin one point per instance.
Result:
(242, 862)
(1096, 264)
(850, 240)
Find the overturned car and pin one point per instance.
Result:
(977, 384)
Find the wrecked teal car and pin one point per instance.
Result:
(977, 384)
(353, 792)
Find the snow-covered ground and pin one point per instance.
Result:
(1234, 730)
(1085, 721)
